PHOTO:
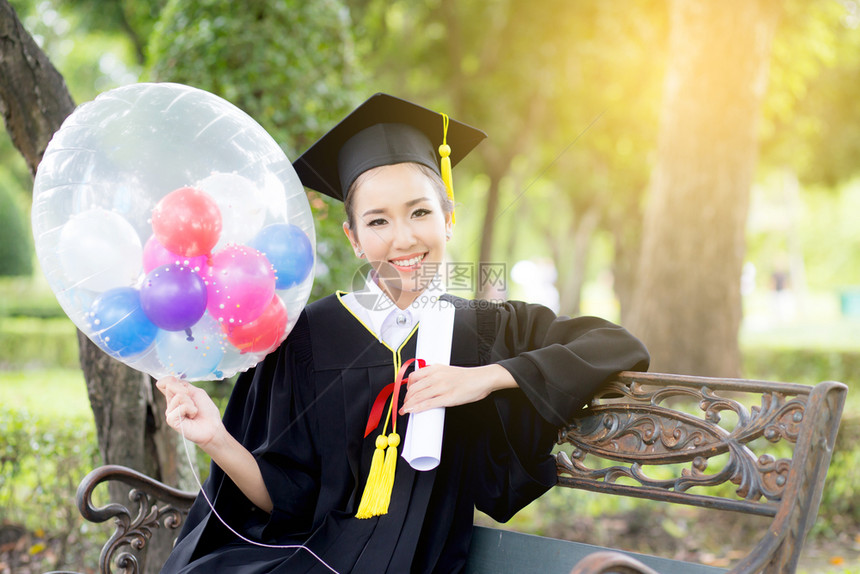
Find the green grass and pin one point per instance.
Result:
(59, 393)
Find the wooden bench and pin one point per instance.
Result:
(753, 447)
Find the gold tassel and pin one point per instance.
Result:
(374, 479)
(386, 484)
(376, 497)
(445, 164)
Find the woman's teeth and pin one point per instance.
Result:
(411, 262)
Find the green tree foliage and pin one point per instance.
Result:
(91, 56)
(133, 18)
(811, 121)
(290, 65)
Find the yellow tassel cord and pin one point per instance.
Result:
(445, 165)
(383, 496)
(380, 480)
(368, 503)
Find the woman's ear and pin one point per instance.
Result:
(359, 252)
(449, 226)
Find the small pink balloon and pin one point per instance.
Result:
(155, 255)
(240, 285)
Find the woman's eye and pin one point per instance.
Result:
(376, 222)
(420, 212)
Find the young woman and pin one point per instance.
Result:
(293, 462)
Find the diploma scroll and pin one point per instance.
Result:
(422, 447)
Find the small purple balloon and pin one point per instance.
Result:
(173, 297)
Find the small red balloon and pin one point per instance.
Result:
(187, 222)
(262, 334)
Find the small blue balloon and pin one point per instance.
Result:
(119, 325)
(289, 251)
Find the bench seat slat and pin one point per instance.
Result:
(496, 551)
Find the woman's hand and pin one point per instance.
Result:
(191, 412)
(447, 386)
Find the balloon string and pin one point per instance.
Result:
(230, 528)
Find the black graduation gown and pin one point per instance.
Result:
(302, 413)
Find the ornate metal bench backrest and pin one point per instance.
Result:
(678, 439)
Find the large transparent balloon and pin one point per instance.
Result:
(173, 231)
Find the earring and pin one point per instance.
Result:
(360, 252)
(448, 234)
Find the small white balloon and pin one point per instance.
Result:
(241, 204)
(100, 250)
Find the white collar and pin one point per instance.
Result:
(373, 306)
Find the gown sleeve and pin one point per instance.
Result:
(558, 364)
(267, 414)
(286, 450)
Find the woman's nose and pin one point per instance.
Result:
(404, 235)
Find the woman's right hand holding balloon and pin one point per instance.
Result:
(191, 412)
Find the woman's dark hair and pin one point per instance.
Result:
(435, 180)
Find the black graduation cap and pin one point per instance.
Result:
(384, 130)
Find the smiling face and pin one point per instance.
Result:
(399, 224)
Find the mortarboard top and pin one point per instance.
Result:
(384, 130)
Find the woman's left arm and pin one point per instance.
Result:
(558, 362)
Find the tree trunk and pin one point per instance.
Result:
(489, 228)
(687, 305)
(34, 101)
(626, 241)
(572, 261)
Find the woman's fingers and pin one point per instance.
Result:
(189, 407)
(174, 417)
(425, 404)
(425, 389)
(168, 386)
(433, 388)
(448, 386)
(182, 400)
(190, 411)
(422, 379)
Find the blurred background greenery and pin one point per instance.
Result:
(570, 94)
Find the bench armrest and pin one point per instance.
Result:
(133, 527)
